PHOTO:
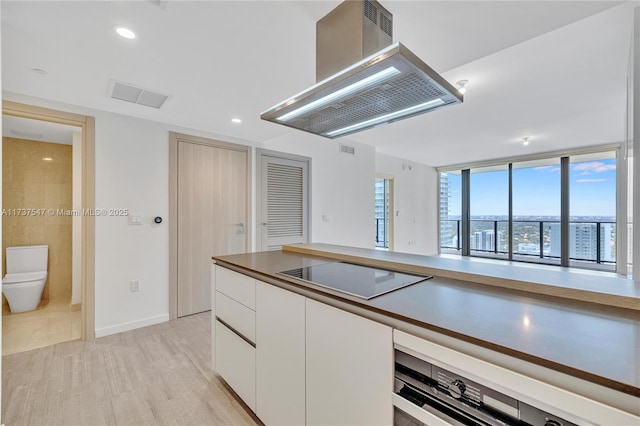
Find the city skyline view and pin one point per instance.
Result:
(537, 191)
(536, 212)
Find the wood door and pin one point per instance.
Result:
(211, 217)
(283, 200)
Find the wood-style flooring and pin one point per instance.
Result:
(158, 375)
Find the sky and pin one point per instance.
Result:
(536, 191)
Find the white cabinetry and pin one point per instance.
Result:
(236, 363)
(349, 368)
(233, 330)
(295, 361)
(280, 356)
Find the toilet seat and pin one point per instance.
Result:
(21, 277)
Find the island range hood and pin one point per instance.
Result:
(364, 80)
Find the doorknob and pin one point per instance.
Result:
(241, 230)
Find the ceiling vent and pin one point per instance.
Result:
(346, 149)
(137, 95)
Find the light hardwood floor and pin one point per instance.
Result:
(158, 375)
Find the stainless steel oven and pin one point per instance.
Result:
(456, 400)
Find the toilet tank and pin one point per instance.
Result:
(27, 259)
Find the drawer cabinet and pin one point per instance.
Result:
(236, 363)
(234, 331)
(238, 287)
(237, 316)
(295, 361)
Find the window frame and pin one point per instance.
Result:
(564, 157)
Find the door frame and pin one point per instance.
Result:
(260, 153)
(87, 124)
(174, 139)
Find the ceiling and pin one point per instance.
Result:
(43, 131)
(553, 71)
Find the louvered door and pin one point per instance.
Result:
(284, 201)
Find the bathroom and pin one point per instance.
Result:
(41, 196)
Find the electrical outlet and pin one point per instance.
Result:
(134, 285)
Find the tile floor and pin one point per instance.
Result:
(50, 323)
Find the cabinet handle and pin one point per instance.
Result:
(236, 332)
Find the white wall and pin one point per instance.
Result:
(415, 190)
(342, 188)
(132, 157)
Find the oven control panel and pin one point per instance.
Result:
(463, 401)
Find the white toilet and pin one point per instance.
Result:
(26, 274)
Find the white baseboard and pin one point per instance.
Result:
(119, 328)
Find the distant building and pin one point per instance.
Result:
(485, 241)
(448, 229)
(583, 241)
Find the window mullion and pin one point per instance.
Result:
(466, 212)
(564, 211)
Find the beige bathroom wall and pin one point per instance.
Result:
(29, 182)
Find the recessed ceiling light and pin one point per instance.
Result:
(460, 85)
(236, 120)
(125, 32)
(525, 141)
(47, 159)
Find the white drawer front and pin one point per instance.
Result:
(240, 288)
(237, 316)
(236, 363)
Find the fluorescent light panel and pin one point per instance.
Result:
(383, 118)
(339, 94)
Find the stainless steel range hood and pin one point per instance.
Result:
(389, 85)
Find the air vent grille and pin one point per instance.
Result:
(137, 95)
(386, 24)
(371, 12)
(346, 149)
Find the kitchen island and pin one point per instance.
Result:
(579, 337)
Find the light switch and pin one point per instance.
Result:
(135, 219)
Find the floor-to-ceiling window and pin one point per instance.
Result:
(592, 230)
(557, 210)
(382, 212)
(450, 210)
(536, 210)
(489, 211)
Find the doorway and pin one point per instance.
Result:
(83, 252)
(209, 209)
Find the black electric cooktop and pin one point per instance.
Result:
(360, 281)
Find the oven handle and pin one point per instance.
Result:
(417, 412)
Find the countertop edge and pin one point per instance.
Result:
(580, 295)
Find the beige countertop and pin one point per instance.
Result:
(597, 343)
(604, 288)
